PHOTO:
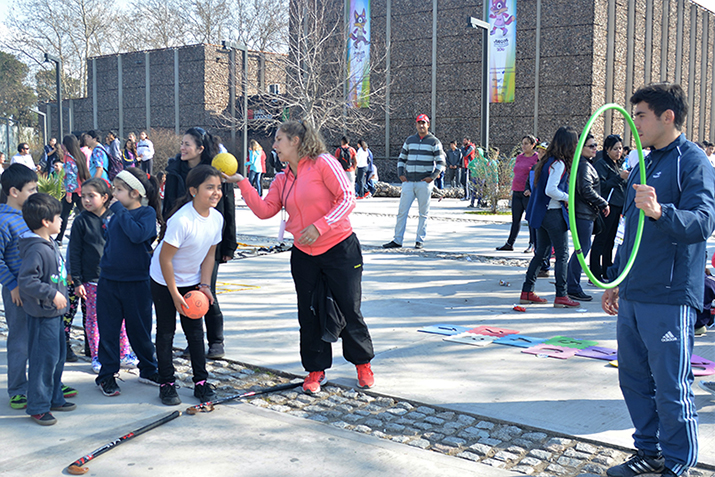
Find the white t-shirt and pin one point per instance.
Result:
(632, 159)
(711, 158)
(193, 235)
(24, 159)
(362, 157)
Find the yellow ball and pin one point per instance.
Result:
(226, 163)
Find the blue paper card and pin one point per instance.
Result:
(447, 330)
(521, 341)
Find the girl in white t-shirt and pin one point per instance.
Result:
(183, 261)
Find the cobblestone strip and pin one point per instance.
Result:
(463, 435)
(266, 243)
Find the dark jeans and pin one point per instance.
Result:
(255, 179)
(165, 328)
(554, 230)
(584, 228)
(147, 166)
(47, 352)
(439, 181)
(602, 248)
(452, 177)
(360, 189)
(342, 267)
(464, 180)
(519, 202)
(131, 302)
(66, 209)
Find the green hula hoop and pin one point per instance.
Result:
(572, 195)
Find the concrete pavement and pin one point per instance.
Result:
(403, 290)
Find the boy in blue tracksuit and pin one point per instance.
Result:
(18, 183)
(656, 302)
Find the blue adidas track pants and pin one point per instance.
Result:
(655, 344)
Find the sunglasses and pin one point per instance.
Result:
(592, 146)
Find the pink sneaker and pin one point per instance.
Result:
(366, 379)
(312, 382)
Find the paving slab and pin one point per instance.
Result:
(403, 292)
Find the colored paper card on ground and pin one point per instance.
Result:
(567, 342)
(551, 351)
(471, 339)
(447, 330)
(521, 341)
(492, 331)
(702, 366)
(597, 352)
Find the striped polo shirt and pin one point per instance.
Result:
(421, 157)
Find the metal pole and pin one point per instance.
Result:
(120, 95)
(58, 79)
(245, 106)
(484, 26)
(388, 41)
(537, 61)
(486, 82)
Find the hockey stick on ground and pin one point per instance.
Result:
(209, 405)
(76, 468)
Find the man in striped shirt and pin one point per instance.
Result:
(421, 161)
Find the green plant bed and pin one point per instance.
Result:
(487, 212)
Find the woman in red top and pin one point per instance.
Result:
(317, 197)
(520, 197)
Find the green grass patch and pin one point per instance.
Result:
(485, 212)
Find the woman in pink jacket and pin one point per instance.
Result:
(315, 197)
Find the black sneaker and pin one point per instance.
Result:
(215, 351)
(152, 380)
(67, 406)
(44, 419)
(71, 357)
(204, 391)
(109, 387)
(580, 296)
(636, 465)
(506, 248)
(168, 394)
(419, 245)
(392, 244)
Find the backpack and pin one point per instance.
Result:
(115, 165)
(345, 158)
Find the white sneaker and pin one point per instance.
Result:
(129, 361)
(96, 366)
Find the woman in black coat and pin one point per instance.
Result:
(197, 148)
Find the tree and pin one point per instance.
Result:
(316, 67)
(209, 20)
(46, 86)
(73, 30)
(151, 24)
(16, 98)
(261, 25)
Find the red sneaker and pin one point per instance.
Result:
(531, 297)
(312, 382)
(565, 302)
(366, 379)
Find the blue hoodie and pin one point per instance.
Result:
(670, 262)
(12, 227)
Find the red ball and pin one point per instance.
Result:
(197, 303)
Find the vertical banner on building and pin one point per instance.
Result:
(358, 53)
(502, 49)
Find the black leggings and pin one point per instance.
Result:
(165, 328)
(66, 209)
(519, 202)
(342, 267)
(602, 248)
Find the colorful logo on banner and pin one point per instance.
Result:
(502, 49)
(359, 53)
